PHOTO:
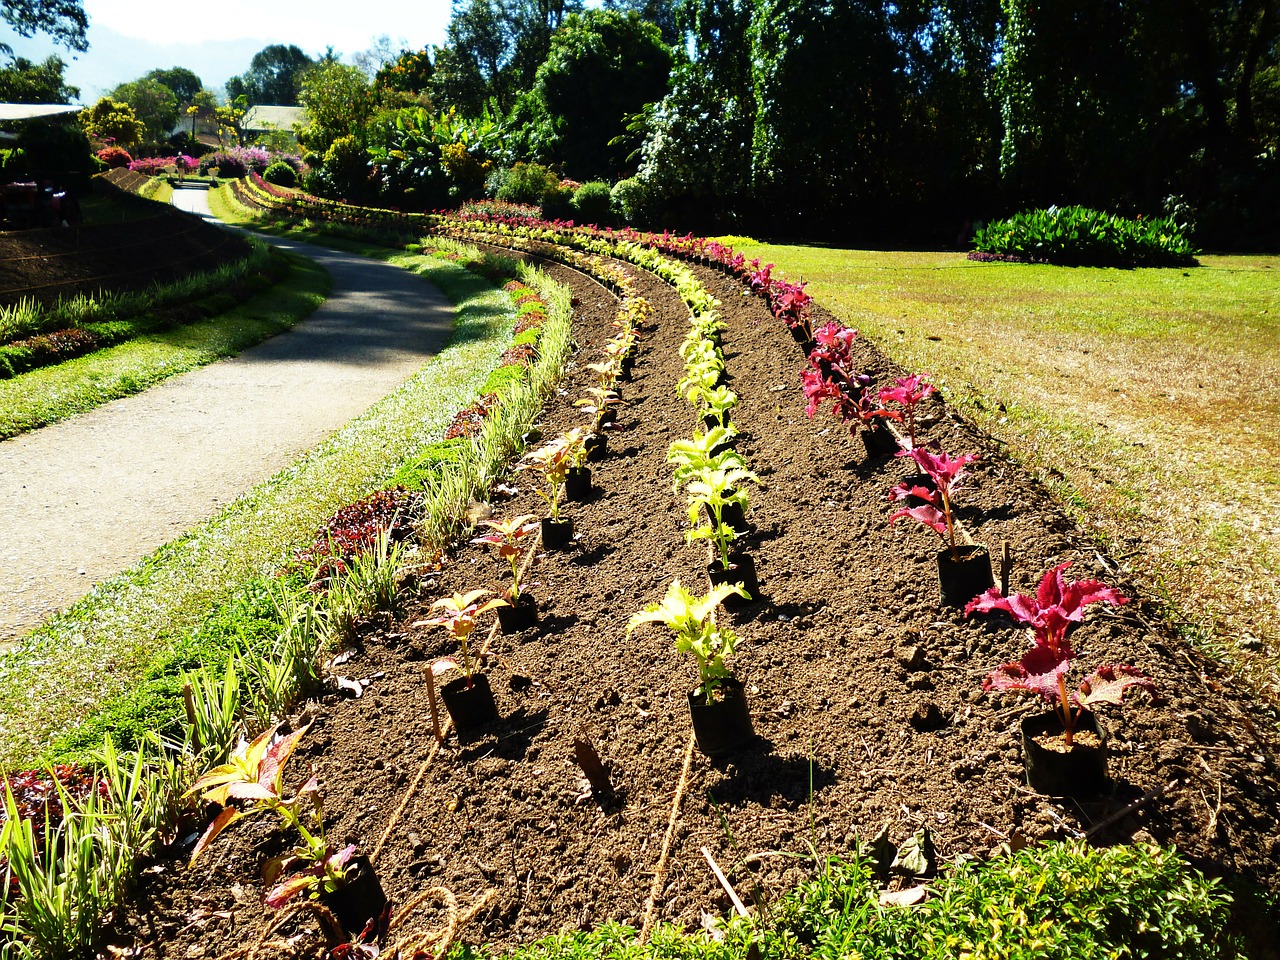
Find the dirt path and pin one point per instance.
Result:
(84, 499)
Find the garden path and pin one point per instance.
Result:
(86, 498)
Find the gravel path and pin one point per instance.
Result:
(86, 498)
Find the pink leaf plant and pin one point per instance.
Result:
(1043, 668)
(907, 393)
(937, 511)
(830, 376)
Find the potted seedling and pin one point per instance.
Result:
(469, 698)
(251, 782)
(964, 569)
(577, 480)
(521, 611)
(718, 704)
(707, 451)
(716, 404)
(601, 403)
(1064, 749)
(907, 393)
(710, 491)
(553, 461)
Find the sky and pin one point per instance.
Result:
(217, 40)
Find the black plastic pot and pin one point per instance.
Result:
(520, 615)
(1056, 771)
(577, 485)
(556, 534)
(742, 569)
(711, 420)
(725, 723)
(358, 900)
(625, 366)
(960, 580)
(802, 337)
(877, 441)
(597, 446)
(470, 707)
(607, 415)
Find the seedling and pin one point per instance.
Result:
(254, 775)
(459, 619)
(1043, 669)
(937, 511)
(703, 452)
(710, 490)
(718, 402)
(506, 536)
(553, 460)
(692, 620)
(907, 392)
(598, 402)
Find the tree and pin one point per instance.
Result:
(153, 104)
(183, 82)
(410, 72)
(23, 81)
(383, 52)
(110, 122)
(602, 68)
(63, 20)
(666, 15)
(274, 77)
(339, 104)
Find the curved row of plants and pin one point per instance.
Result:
(72, 838)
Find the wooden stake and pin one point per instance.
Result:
(189, 701)
(724, 882)
(1006, 565)
(431, 702)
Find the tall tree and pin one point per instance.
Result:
(110, 122)
(339, 104)
(274, 77)
(602, 67)
(183, 82)
(64, 21)
(153, 104)
(23, 81)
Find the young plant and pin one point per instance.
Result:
(459, 619)
(692, 620)
(606, 371)
(718, 402)
(598, 402)
(1043, 669)
(701, 378)
(553, 460)
(907, 392)
(710, 490)
(506, 536)
(937, 511)
(705, 451)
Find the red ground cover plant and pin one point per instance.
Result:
(355, 528)
(467, 421)
(522, 354)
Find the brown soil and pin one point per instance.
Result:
(46, 265)
(865, 692)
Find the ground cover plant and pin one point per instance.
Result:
(1080, 237)
(845, 710)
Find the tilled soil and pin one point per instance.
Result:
(865, 693)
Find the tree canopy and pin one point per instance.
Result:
(153, 103)
(24, 81)
(274, 77)
(63, 21)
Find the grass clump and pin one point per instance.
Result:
(1080, 237)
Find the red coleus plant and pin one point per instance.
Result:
(831, 376)
(937, 511)
(907, 393)
(1043, 669)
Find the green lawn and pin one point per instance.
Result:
(1145, 398)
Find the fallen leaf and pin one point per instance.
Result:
(902, 898)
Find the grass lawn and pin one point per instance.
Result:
(1145, 398)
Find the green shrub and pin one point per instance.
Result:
(593, 203)
(1080, 237)
(631, 200)
(281, 174)
(523, 183)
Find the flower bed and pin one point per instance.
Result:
(865, 690)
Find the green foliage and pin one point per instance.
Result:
(593, 203)
(281, 174)
(1078, 236)
(408, 73)
(274, 77)
(602, 66)
(632, 200)
(24, 81)
(109, 120)
(339, 104)
(63, 20)
(154, 104)
(522, 183)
